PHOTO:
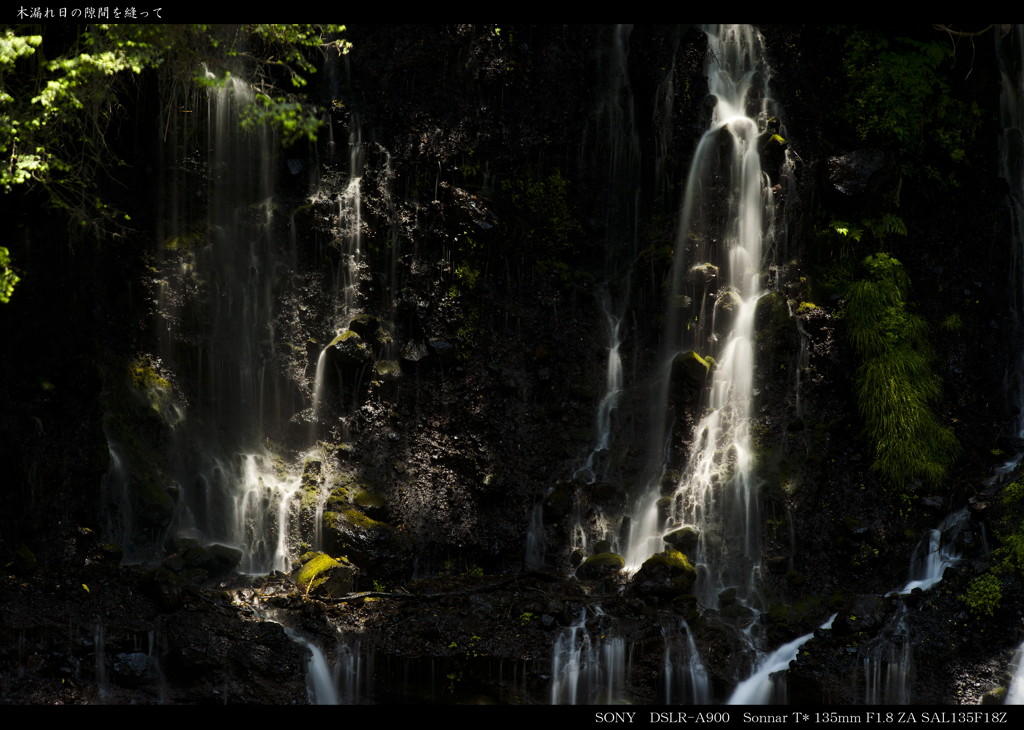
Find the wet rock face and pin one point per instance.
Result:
(118, 644)
(466, 407)
(860, 171)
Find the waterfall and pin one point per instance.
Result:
(218, 285)
(534, 557)
(612, 145)
(1015, 693)
(726, 226)
(153, 653)
(685, 679)
(100, 649)
(585, 669)
(353, 670)
(1010, 54)
(761, 688)
(590, 471)
(889, 665)
(350, 224)
(889, 660)
(937, 551)
(351, 268)
(319, 678)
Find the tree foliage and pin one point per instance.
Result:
(58, 113)
(900, 97)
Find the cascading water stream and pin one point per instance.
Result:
(350, 225)
(612, 144)
(938, 551)
(727, 224)
(534, 556)
(217, 305)
(590, 471)
(685, 679)
(350, 271)
(761, 688)
(889, 661)
(1015, 692)
(1010, 54)
(585, 669)
(100, 649)
(353, 671)
(319, 677)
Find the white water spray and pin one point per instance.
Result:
(727, 222)
(761, 688)
(1015, 693)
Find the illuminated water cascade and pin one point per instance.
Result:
(590, 471)
(727, 228)
(938, 551)
(352, 266)
(319, 678)
(217, 301)
(1015, 693)
(761, 688)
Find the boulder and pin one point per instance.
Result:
(665, 575)
(684, 539)
(322, 575)
(600, 566)
(375, 546)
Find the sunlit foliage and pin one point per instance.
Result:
(895, 383)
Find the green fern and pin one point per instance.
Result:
(895, 383)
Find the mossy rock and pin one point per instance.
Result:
(387, 369)
(375, 546)
(358, 519)
(602, 546)
(689, 367)
(311, 477)
(370, 503)
(346, 336)
(24, 561)
(323, 575)
(151, 387)
(311, 471)
(347, 491)
(557, 505)
(367, 326)
(996, 696)
(348, 351)
(339, 499)
(665, 575)
(602, 565)
(684, 539)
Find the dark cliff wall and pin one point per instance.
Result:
(483, 209)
